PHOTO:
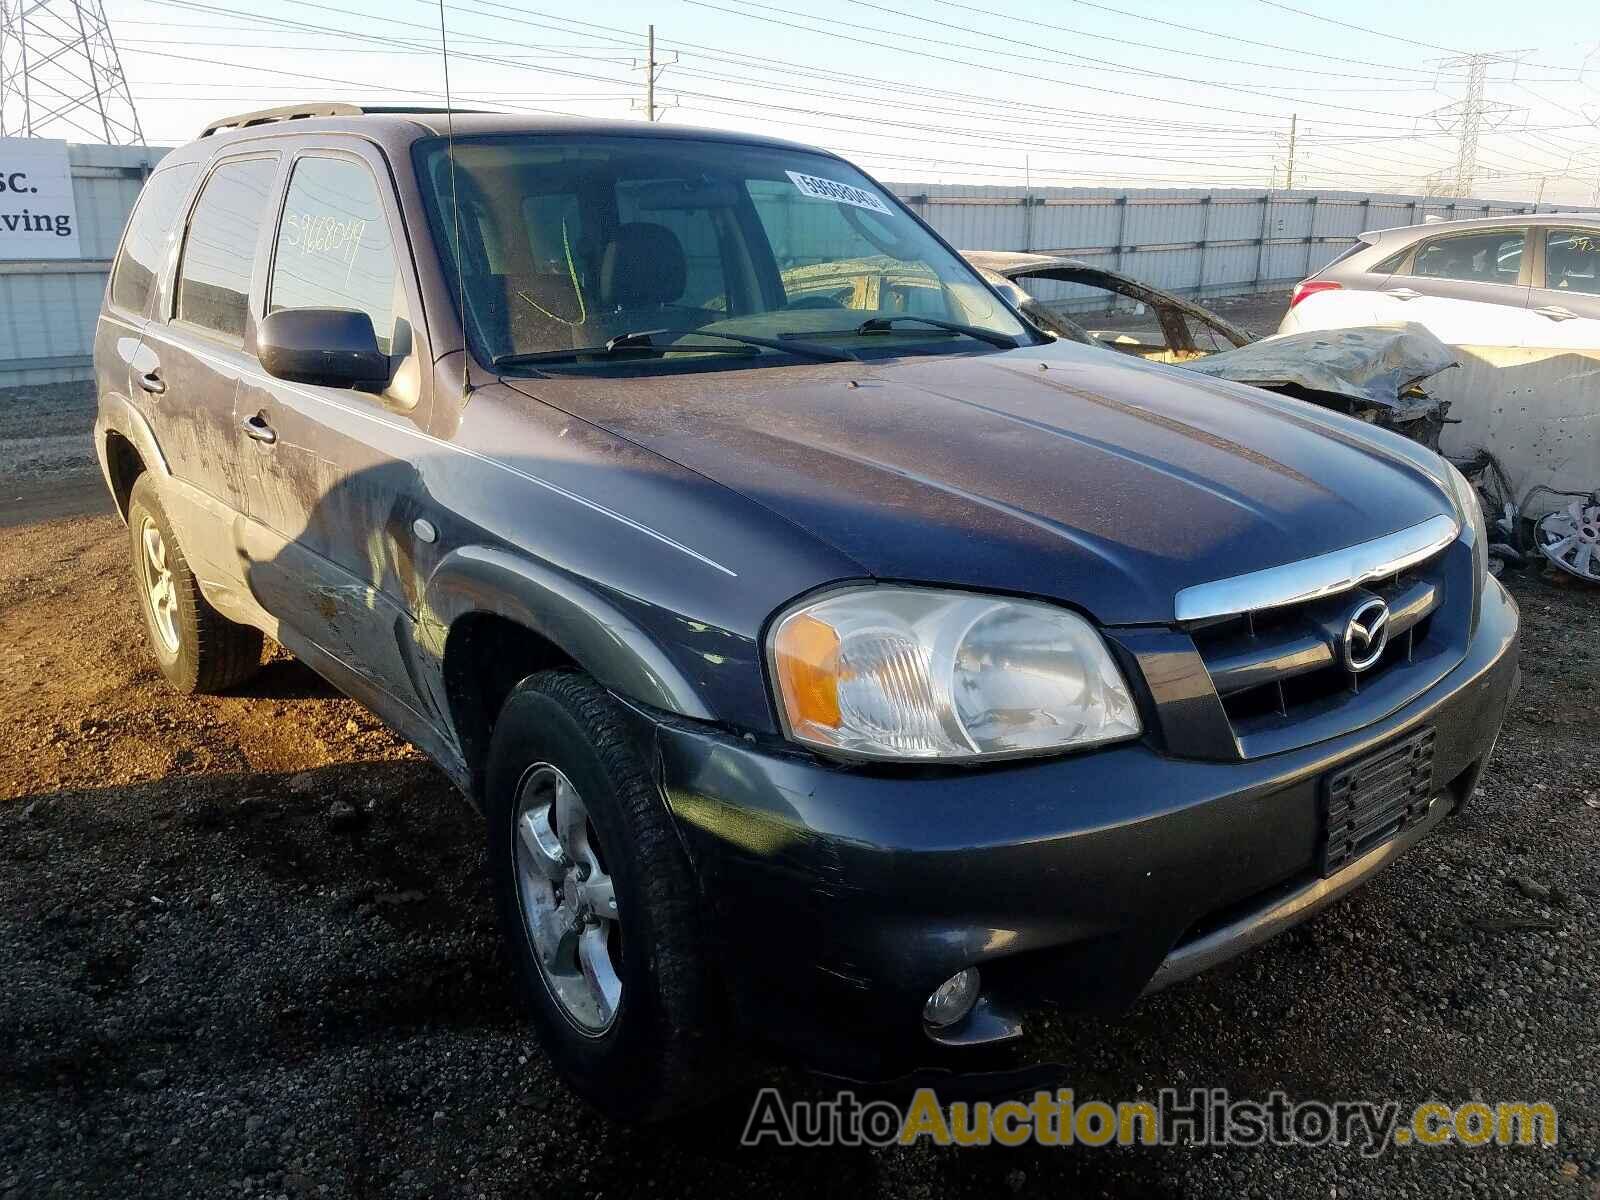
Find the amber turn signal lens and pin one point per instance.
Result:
(806, 657)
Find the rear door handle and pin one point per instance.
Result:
(152, 382)
(256, 427)
(1556, 313)
(1402, 293)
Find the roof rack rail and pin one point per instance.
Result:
(296, 112)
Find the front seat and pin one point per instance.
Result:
(642, 268)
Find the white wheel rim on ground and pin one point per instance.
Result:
(569, 906)
(1570, 538)
(159, 589)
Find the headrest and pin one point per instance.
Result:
(643, 265)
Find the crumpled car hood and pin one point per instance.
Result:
(1371, 364)
(1058, 471)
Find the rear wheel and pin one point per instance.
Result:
(597, 903)
(196, 647)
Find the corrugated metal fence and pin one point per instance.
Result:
(1198, 242)
(48, 309)
(1194, 241)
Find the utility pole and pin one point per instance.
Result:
(652, 69)
(1288, 183)
(650, 79)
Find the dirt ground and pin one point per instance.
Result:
(214, 986)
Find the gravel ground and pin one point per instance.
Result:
(247, 951)
(46, 429)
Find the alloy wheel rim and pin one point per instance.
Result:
(160, 591)
(569, 905)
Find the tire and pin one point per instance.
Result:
(661, 1051)
(197, 649)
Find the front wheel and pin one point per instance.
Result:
(598, 906)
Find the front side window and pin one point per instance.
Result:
(1572, 261)
(1494, 257)
(220, 250)
(334, 248)
(570, 242)
(150, 233)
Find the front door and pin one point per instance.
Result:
(1468, 289)
(334, 545)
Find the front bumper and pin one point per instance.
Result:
(838, 898)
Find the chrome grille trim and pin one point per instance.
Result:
(1250, 661)
(1314, 578)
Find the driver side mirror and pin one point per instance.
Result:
(329, 347)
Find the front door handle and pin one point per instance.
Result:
(152, 382)
(1402, 293)
(1556, 313)
(256, 427)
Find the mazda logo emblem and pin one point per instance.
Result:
(1366, 634)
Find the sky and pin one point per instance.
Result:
(1113, 93)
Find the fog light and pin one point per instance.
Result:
(952, 999)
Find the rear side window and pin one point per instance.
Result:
(1392, 264)
(1353, 248)
(1572, 261)
(334, 249)
(1493, 257)
(151, 230)
(214, 274)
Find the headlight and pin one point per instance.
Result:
(1471, 511)
(911, 673)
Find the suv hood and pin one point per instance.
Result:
(1057, 471)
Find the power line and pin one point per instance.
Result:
(1186, 52)
(1057, 82)
(1393, 37)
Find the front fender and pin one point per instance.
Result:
(594, 632)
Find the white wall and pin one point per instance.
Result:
(48, 309)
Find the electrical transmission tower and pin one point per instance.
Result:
(60, 74)
(1469, 116)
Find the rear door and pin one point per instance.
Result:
(143, 261)
(192, 357)
(1468, 288)
(1565, 303)
(337, 540)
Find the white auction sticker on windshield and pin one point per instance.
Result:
(819, 188)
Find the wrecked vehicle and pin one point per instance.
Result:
(1517, 300)
(1373, 373)
(842, 675)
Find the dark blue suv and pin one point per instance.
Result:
(842, 664)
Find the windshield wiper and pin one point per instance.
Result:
(809, 349)
(885, 324)
(644, 339)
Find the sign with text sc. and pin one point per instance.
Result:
(38, 215)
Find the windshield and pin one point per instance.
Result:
(570, 242)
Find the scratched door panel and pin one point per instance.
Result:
(333, 499)
(195, 349)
